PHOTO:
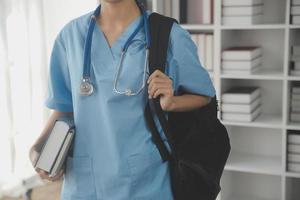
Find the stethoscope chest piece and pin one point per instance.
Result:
(86, 87)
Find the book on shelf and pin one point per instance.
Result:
(295, 109)
(296, 90)
(296, 49)
(205, 45)
(296, 19)
(241, 108)
(56, 147)
(296, 97)
(295, 103)
(240, 94)
(196, 11)
(294, 72)
(294, 139)
(241, 53)
(295, 10)
(242, 64)
(293, 167)
(293, 157)
(241, 3)
(168, 7)
(242, 10)
(242, 117)
(295, 58)
(295, 116)
(242, 72)
(242, 20)
(296, 65)
(293, 148)
(295, 2)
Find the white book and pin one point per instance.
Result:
(243, 95)
(241, 108)
(242, 20)
(241, 65)
(293, 139)
(295, 117)
(296, 97)
(296, 90)
(293, 167)
(295, 103)
(295, 72)
(241, 53)
(296, 19)
(241, 2)
(295, 58)
(241, 72)
(295, 10)
(194, 16)
(293, 157)
(295, 2)
(209, 52)
(168, 8)
(207, 11)
(296, 49)
(242, 10)
(293, 148)
(194, 37)
(295, 108)
(53, 146)
(176, 9)
(242, 117)
(62, 154)
(201, 49)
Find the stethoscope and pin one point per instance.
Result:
(86, 86)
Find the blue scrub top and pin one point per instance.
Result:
(114, 157)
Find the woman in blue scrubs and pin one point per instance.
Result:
(114, 156)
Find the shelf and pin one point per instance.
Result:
(253, 27)
(258, 164)
(293, 126)
(198, 27)
(248, 198)
(262, 75)
(263, 121)
(292, 174)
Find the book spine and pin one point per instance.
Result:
(183, 11)
(209, 52)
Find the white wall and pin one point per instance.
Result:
(57, 13)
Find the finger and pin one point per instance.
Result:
(43, 174)
(156, 73)
(58, 176)
(159, 82)
(162, 91)
(155, 88)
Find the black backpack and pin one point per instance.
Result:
(198, 141)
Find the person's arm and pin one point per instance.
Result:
(38, 144)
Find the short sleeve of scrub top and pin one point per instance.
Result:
(184, 66)
(59, 92)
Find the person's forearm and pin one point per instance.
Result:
(49, 125)
(188, 102)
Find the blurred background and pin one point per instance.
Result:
(241, 43)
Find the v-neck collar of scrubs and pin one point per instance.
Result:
(118, 44)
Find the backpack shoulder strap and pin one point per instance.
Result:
(160, 27)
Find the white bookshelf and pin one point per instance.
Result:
(256, 169)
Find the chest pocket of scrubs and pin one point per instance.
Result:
(79, 180)
(132, 69)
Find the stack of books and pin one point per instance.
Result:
(196, 11)
(295, 61)
(293, 152)
(241, 60)
(295, 104)
(205, 45)
(295, 12)
(242, 104)
(246, 12)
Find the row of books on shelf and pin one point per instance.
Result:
(241, 104)
(295, 60)
(293, 152)
(295, 104)
(205, 46)
(241, 60)
(295, 12)
(196, 11)
(246, 12)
